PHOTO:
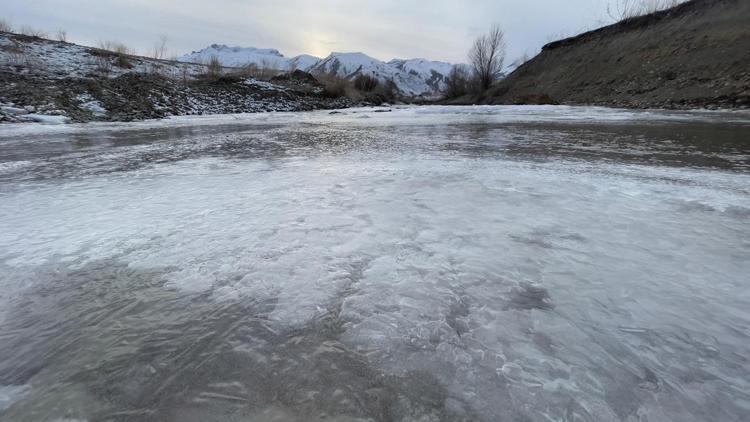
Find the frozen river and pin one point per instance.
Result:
(422, 264)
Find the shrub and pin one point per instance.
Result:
(15, 55)
(247, 71)
(626, 9)
(336, 87)
(113, 49)
(387, 91)
(365, 83)
(5, 26)
(457, 83)
(265, 70)
(214, 67)
(160, 47)
(103, 64)
(32, 32)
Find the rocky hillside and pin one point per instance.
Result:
(694, 55)
(411, 78)
(55, 82)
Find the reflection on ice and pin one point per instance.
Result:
(442, 270)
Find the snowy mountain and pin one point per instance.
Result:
(243, 56)
(413, 77)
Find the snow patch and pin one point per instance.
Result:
(263, 85)
(88, 102)
(44, 119)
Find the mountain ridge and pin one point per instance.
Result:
(416, 77)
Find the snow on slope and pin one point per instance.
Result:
(59, 60)
(413, 77)
(303, 62)
(433, 73)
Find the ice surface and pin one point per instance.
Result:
(492, 261)
(406, 115)
(10, 394)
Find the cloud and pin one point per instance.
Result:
(440, 29)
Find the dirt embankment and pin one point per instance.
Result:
(694, 55)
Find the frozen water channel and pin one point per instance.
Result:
(422, 264)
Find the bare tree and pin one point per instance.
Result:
(487, 56)
(62, 35)
(457, 83)
(160, 47)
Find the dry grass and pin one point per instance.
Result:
(247, 71)
(367, 88)
(17, 57)
(365, 83)
(335, 87)
(114, 50)
(627, 9)
(160, 48)
(33, 32)
(262, 72)
(115, 47)
(214, 68)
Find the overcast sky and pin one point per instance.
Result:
(384, 29)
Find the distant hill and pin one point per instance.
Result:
(694, 55)
(412, 77)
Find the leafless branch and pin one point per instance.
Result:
(487, 56)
